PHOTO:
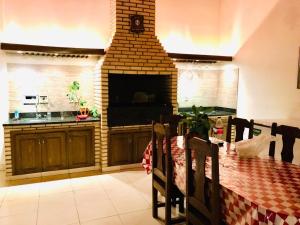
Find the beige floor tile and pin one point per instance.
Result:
(90, 182)
(174, 212)
(143, 186)
(90, 195)
(93, 199)
(57, 208)
(57, 186)
(19, 192)
(122, 191)
(134, 175)
(114, 181)
(19, 219)
(56, 200)
(114, 220)
(130, 203)
(139, 217)
(3, 191)
(95, 209)
(61, 215)
(9, 208)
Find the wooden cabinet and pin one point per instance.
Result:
(27, 154)
(140, 141)
(120, 149)
(127, 146)
(80, 148)
(54, 154)
(52, 150)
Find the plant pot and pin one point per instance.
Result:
(84, 111)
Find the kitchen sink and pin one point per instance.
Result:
(35, 120)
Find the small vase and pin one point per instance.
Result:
(84, 111)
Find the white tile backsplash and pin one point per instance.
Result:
(50, 80)
(202, 86)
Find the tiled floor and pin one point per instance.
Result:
(108, 199)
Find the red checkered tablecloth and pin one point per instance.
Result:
(254, 190)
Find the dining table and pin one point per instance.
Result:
(254, 190)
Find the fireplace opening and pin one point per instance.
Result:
(138, 99)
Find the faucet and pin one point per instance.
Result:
(37, 114)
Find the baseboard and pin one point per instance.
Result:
(53, 173)
(121, 167)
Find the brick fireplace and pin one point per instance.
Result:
(131, 54)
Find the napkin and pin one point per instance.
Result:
(252, 147)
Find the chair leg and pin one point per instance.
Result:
(154, 203)
(181, 204)
(168, 210)
(187, 221)
(173, 202)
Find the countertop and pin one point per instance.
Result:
(34, 121)
(213, 111)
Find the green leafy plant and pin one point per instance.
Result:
(73, 95)
(197, 121)
(94, 112)
(82, 103)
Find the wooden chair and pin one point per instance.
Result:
(240, 125)
(174, 121)
(162, 175)
(289, 135)
(202, 193)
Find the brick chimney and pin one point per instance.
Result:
(133, 51)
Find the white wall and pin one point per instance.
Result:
(238, 21)
(3, 92)
(57, 22)
(268, 60)
(188, 26)
(181, 27)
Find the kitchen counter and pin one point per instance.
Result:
(215, 111)
(52, 120)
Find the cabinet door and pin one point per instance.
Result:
(80, 148)
(120, 149)
(26, 152)
(54, 151)
(140, 140)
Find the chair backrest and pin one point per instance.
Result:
(202, 193)
(289, 135)
(240, 125)
(173, 121)
(161, 153)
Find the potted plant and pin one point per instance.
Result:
(197, 122)
(77, 100)
(83, 107)
(94, 112)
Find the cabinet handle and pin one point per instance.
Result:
(39, 141)
(43, 141)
